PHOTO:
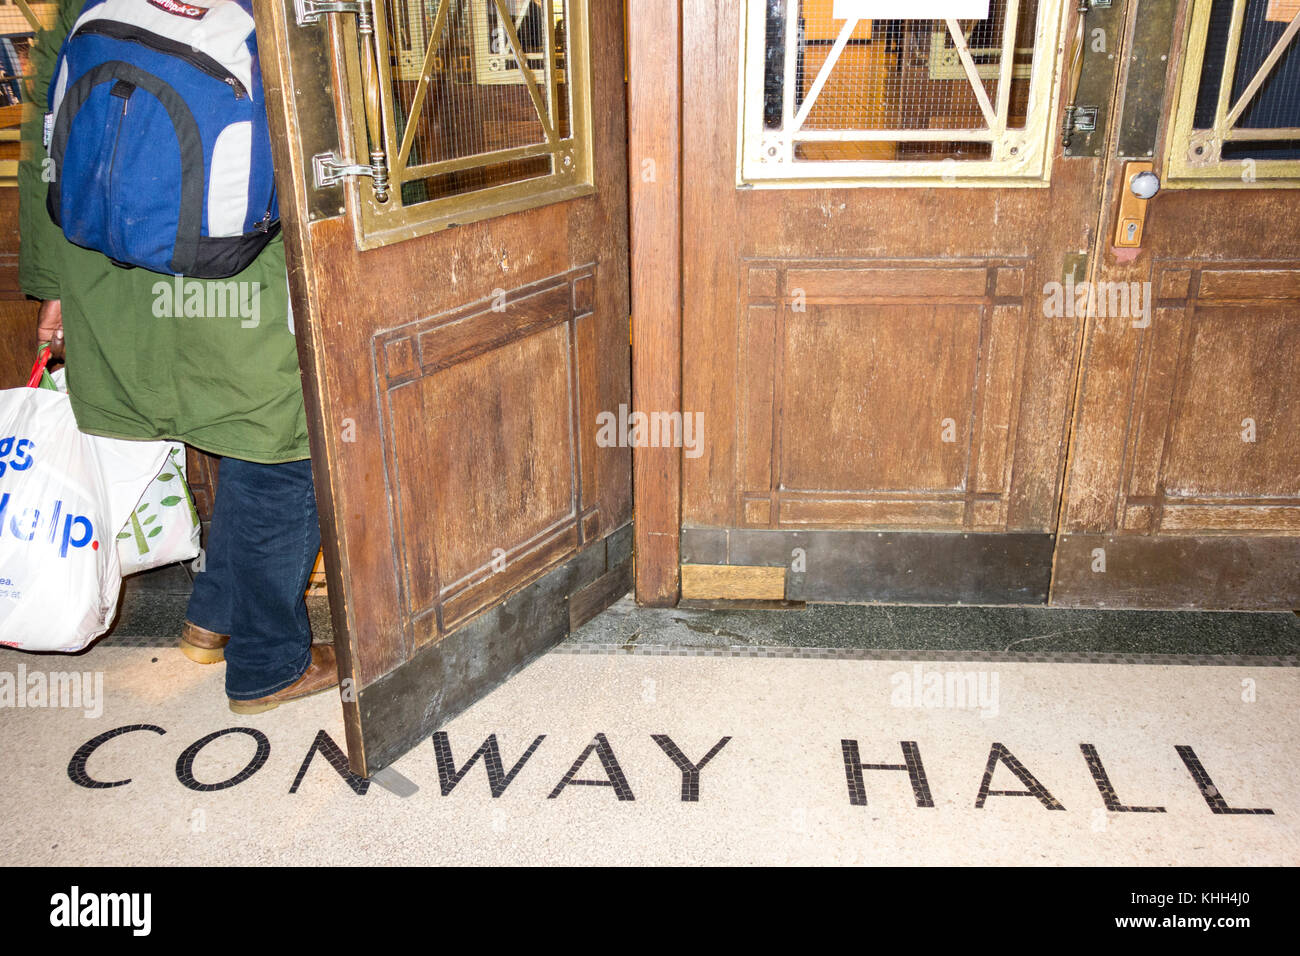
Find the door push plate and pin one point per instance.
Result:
(1132, 210)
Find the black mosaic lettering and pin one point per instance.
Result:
(999, 753)
(690, 771)
(325, 745)
(1102, 780)
(77, 765)
(498, 779)
(613, 771)
(853, 767)
(1204, 784)
(185, 762)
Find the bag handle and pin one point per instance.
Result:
(38, 370)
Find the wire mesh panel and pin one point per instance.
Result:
(955, 90)
(1240, 104)
(484, 109)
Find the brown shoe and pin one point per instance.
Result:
(203, 646)
(321, 674)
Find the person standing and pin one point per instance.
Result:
(148, 358)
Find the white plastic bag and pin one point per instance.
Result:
(164, 526)
(63, 498)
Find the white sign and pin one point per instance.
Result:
(911, 9)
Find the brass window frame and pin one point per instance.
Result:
(383, 223)
(1021, 157)
(1184, 167)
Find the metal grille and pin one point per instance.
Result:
(1248, 117)
(479, 94)
(838, 88)
(466, 110)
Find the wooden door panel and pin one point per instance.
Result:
(834, 337)
(883, 380)
(891, 391)
(453, 383)
(760, 246)
(483, 431)
(1184, 481)
(1208, 425)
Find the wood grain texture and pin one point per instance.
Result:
(1185, 455)
(1198, 407)
(654, 169)
(201, 474)
(891, 310)
(17, 341)
(17, 315)
(709, 582)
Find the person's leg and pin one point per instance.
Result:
(207, 619)
(274, 538)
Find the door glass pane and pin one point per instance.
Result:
(1277, 102)
(840, 89)
(1237, 120)
(477, 108)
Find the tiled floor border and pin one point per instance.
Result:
(877, 654)
(866, 654)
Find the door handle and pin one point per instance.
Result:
(1140, 186)
(1080, 118)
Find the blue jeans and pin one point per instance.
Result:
(261, 547)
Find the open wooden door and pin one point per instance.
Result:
(462, 315)
(1184, 480)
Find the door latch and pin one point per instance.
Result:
(329, 170)
(1083, 119)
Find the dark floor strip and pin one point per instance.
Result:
(153, 610)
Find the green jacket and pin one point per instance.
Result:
(212, 363)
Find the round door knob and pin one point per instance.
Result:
(1144, 185)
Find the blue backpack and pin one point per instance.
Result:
(157, 130)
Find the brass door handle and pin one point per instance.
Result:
(1140, 185)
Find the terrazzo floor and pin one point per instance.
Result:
(826, 735)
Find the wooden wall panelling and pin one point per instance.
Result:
(879, 392)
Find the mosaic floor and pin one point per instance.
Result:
(696, 736)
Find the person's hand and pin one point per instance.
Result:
(49, 326)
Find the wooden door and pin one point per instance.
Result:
(1184, 481)
(871, 210)
(462, 321)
